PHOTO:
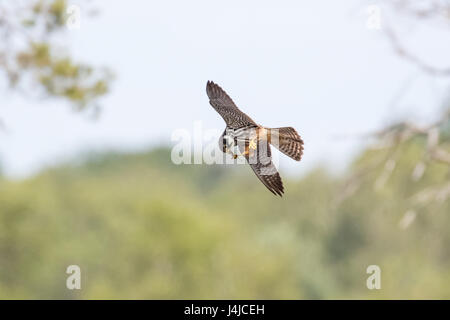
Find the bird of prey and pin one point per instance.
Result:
(242, 136)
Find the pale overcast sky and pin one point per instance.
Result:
(313, 65)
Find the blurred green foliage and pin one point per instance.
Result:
(34, 60)
(141, 227)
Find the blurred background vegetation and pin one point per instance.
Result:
(35, 62)
(142, 227)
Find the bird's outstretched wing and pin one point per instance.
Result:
(265, 170)
(223, 104)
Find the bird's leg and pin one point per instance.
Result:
(249, 149)
(228, 149)
(246, 151)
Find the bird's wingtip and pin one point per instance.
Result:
(209, 85)
(212, 89)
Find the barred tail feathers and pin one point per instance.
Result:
(288, 141)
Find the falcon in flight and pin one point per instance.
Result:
(242, 136)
